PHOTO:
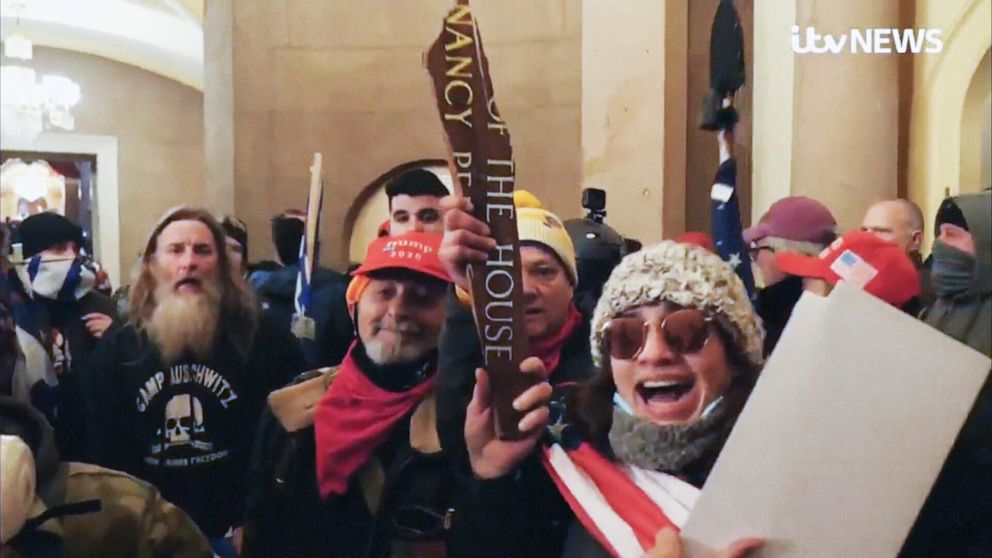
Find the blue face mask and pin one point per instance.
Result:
(952, 271)
(619, 403)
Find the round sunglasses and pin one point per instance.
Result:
(685, 331)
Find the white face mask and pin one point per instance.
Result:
(56, 278)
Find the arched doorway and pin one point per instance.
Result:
(371, 208)
(976, 127)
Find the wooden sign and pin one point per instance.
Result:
(481, 161)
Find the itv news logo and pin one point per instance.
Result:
(868, 41)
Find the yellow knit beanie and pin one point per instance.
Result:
(536, 224)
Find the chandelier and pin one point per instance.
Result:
(29, 105)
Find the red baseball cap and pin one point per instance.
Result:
(860, 257)
(416, 251)
(698, 238)
(795, 218)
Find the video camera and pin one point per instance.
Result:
(594, 200)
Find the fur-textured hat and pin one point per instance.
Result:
(685, 275)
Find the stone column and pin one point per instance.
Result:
(845, 140)
(633, 112)
(218, 106)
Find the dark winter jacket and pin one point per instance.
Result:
(527, 503)
(774, 305)
(61, 334)
(460, 353)
(186, 427)
(276, 291)
(956, 516)
(396, 505)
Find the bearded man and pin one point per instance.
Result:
(175, 394)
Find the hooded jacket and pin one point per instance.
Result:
(956, 516)
(132, 519)
(276, 290)
(967, 317)
(57, 349)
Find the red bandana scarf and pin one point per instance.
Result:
(549, 349)
(353, 419)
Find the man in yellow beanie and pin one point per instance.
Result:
(557, 333)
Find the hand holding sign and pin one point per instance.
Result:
(466, 240)
(481, 161)
(491, 457)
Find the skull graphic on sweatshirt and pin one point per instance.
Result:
(184, 423)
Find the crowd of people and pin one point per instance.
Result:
(191, 419)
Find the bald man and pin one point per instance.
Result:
(901, 221)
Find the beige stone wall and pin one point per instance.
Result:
(158, 124)
(941, 86)
(347, 79)
(624, 121)
(844, 150)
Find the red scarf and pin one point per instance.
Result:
(549, 349)
(353, 419)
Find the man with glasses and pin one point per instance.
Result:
(60, 317)
(347, 461)
(795, 224)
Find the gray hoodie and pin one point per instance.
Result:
(967, 317)
(955, 519)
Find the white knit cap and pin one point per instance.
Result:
(681, 274)
(17, 479)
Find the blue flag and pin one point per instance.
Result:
(304, 327)
(727, 229)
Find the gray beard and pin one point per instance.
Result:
(674, 448)
(181, 324)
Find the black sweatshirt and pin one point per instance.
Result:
(187, 428)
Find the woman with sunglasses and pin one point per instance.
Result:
(677, 348)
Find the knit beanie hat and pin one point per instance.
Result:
(536, 224)
(681, 274)
(43, 230)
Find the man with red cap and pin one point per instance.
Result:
(359, 439)
(879, 267)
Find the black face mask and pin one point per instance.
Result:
(952, 271)
(780, 297)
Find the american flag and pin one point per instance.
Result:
(727, 228)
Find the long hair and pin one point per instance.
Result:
(590, 408)
(238, 310)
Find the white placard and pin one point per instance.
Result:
(843, 436)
